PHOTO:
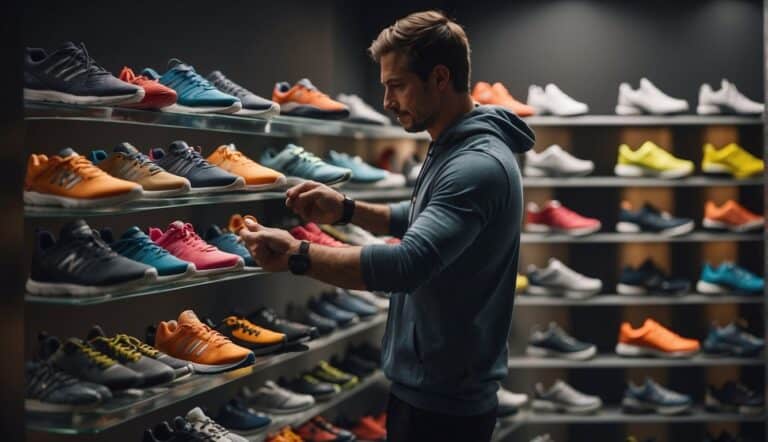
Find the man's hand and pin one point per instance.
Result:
(269, 247)
(315, 202)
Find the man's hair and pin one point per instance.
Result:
(428, 39)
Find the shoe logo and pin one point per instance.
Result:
(71, 263)
(129, 172)
(66, 179)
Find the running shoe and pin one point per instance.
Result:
(82, 361)
(48, 389)
(363, 174)
(648, 278)
(273, 399)
(153, 372)
(732, 340)
(205, 425)
(652, 397)
(242, 332)
(554, 342)
(554, 161)
(318, 429)
(367, 429)
(308, 384)
(303, 99)
(127, 163)
(300, 165)
(734, 397)
(323, 325)
(556, 218)
(352, 234)
(327, 310)
(652, 161)
(328, 373)
(181, 240)
(81, 264)
(207, 350)
(647, 99)
(181, 369)
(285, 434)
(230, 243)
(652, 339)
(380, 300)
(498, 95)
(355, 365)
(731, 216)
(156, 96)
(726, 100)
(509, 403)
(185, 161)
(558, 279)
(180, 431)
(253, 105)
(70, 75)
(70, 180)
(195, 94)
(650, 219)
(562, 398)
(312, 233)
(728, 278)
(294, 332)
(362, 112)
(732, 160)
(345, 301)
(256, 176)
(241, 420)
(136, 245)
(552, 100)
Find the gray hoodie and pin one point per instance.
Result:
(453, 275)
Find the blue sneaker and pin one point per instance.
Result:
(183, 160)
(230, 243)
(299, 165)
(652, 397)
(70, 75)
(650, 219)
(136, 245)
(732, 340)
(253, 105)
(343, 300)
(363, 174)
(238, 418)
(195, 93)
(728, 278)
(325, 309)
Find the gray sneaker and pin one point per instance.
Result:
(253, 105)
(207, 426)
(554, 342)
(563, 398)
(49, 389)
(153, 372)
(272, 398)
(559, 279)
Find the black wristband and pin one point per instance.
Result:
(348, 206)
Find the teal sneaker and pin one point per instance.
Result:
(728, 278)
(230, 243)
(363, 174)
(299, 165)
(195, 93)
(136, 245)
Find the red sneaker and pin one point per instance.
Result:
(320, 430)
(369, 430)
(556, 218)
(155, 94)
(181, 240)
(381, 419)
(312, 233)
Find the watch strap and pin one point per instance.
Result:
(348, 206)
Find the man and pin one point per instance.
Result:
(453, 274)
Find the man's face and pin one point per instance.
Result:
(413, 101)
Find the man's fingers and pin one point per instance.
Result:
(253, 226)
(298, 189)
(304, 203)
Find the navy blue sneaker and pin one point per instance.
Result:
(343, 300)
(70, 75)
(183, 160)
(326, 309)
(194, 93)
(650, 279)
(253, 105)
(555, 342)
(732, 340)
(323, 325)
(651, 219)
(734, 397)
(652, 397)
(240, 419)
(230, 243)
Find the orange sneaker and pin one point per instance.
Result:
(303, 99)
(246, 334)
(652, 339)
(286, 434)
(70, 180)
(370, 430)
(207, 350)
(256, 176)
(498, 95)
(156, 95)
(731, 216)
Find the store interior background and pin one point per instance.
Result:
(585, 47)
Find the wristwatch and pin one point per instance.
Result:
(298, 263)
(348, 207)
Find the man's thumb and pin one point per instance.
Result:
(252, 225)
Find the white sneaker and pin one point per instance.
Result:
(272, 398)
(362, 112)
(727, 100)
(554, 161)
(551, 100)
(357, 236)
(215, 432)
(647, 99)
(558, 279)
(508, 399)
(380, 302)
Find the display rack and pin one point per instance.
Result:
(615, 361)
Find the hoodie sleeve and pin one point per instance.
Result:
(398, 218)
(465, 196)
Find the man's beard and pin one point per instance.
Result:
(420, 125)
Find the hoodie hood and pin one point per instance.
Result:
(490, 120)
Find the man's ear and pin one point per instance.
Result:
(442, 77)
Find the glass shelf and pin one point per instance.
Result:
(616, 361)
(645, 120)
(545, 238)
(522, 299)
(612, 181)
(280, 126)
(120, 411)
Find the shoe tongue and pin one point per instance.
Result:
(306, 83)
(215, 75)
(175, 63)
(178, 147)
(196, 415)
(95, 332)
(188, 317)
(67, 152)
(133, 232)
(75, 229)
(127, 148)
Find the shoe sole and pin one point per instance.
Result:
(553, 407)
(624, 109)
(285, 411)
(537, 290)
(709, 288)
(633, 171)
(281, 182)
(238, 184)
(630, 350)
(77, 290)
(47, 199)
(630, 405)
(182, 109)
(295, 181)
(539, 352)
(210, 272)
(302, 110)
(713, 405)
(708, 223)
(636, 290)
(535, 172)
(627, 227)
(189, 273)
(220, 368)
(543, 228)
(63, 97)
(266, 114)
(151, 194)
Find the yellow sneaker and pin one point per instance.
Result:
(732, 159)
(521, 284)
(651, 160)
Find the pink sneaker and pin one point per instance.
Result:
(556, 218)
(181, 240)
(312, 233)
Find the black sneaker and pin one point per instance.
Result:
(651, 219)
(734, 397)
(181, 431)
(650, 279)
(368, 352)
(181, 369)
(555, 342)
(185, 161)
(49, 389)
(354, 365)
(324, 326)
(253, 105)
(80, 360)
(732, 340)
(308, 384)
(294, 332)
(153, 372)
(70, 75)
(343, 300)
(243, 333)
(81, 264)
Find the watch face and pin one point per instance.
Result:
(299, 264)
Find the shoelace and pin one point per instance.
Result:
(145, 349)
(142, 246)
(93, 249)
(741, 273)
(96, 357)
(192, 240)
(79, 57)
(305, 156)
(193, 155)
(125, 351)
(210, 427)
(193, 79)
(208, 334)
(243, 326)
(231, 86)
(82, 167)
(237, 157)
(143, 161)
(48, 379)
